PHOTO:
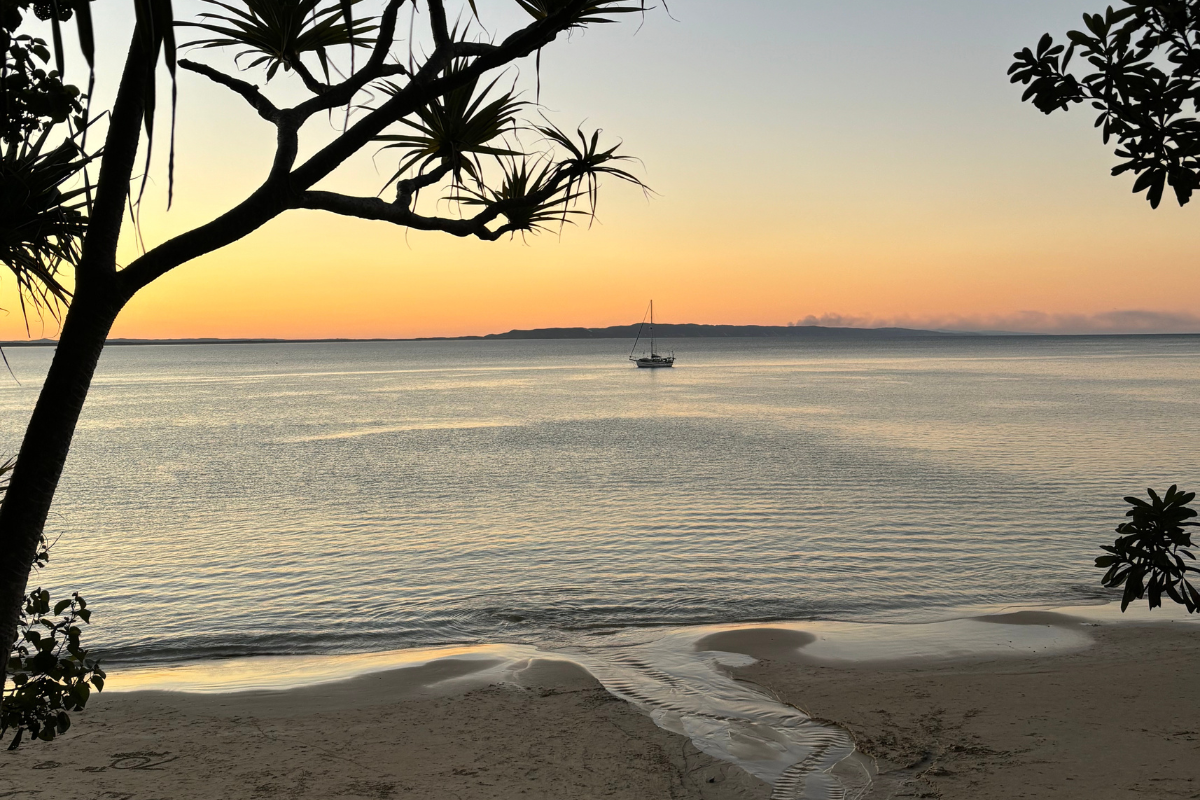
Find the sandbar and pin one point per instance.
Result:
(1117, 720)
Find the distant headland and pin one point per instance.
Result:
(662, 331)
(694, 331)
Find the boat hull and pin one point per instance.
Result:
(654, 363)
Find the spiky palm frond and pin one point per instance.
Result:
(455, 129)
(586, 162)
(41, 223)
(278, 32)
(586, 14)
(528, 196)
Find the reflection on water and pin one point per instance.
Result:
(332, 498)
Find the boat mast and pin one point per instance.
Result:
(638, 338)
(653, 349)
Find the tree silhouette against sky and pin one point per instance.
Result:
(436, 106)
(1145, 83)
(1139, 68)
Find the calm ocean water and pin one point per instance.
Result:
(331, 498)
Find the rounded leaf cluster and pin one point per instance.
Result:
(50, 672)
(1152, 556)
(1142, 75)
(32, 98)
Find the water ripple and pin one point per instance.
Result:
(233, 500)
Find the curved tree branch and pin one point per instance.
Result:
(285, 186)
(423, 87)
(266, 203)
(310, 81)
(376, 209)
(438, 26)
(342, 93)
(265, 108)
(468, 49)
(407, 188)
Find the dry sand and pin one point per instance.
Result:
(1120, 719)
(407, 733)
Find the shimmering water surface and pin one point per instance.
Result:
(334, 498)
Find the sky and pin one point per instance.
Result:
(864, 162)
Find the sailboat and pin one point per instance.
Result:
(654, 360)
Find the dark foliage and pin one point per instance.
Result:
(528, 196)
(585, 13)
(41, 223)
(1142, 76)
(582, 14)
(454, 130)
(56, 12)
(450, 132)
(584, 163)
(49, 672)
(32, 98)
(276, 33)
(42, 217)
(1148, 557)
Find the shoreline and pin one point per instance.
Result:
(851, 639)
(1031, 703)
(1117, 719)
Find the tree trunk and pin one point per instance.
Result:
(99, 297)
(44, 449)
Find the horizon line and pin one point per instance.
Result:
(515, 334)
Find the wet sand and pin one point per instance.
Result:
(1120, 719)
(422, 732)
(1117, 719)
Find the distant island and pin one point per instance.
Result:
(662, 331)
(694, 331)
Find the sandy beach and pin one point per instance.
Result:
(1117, 719)
(422, 732)
(1120, 719)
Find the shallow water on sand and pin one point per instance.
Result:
(334, 498)
(679, 679)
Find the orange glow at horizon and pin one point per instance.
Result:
(907, 193)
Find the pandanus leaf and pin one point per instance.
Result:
(455, 130)
(278, 33)
(585, 13)
(156, 28)
(586, 161)
(42, 223)
(528, 196)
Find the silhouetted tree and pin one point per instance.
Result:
(1139, 68)
(455, 135)
(1152, 556)
(1142, 75)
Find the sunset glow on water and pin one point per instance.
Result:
(339, 498)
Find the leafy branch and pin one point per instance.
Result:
(451, 128)
(49, 673)
(1144, 81)
(278, 32)
(1148, 558)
